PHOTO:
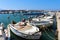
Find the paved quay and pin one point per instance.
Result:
(58, 24)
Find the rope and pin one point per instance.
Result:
(49, 35)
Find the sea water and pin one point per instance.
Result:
(7, 18)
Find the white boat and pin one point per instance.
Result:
(35, 19)
(42, 21)
(28, 31)
(49, 17)
(1, 29)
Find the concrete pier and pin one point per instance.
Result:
(58, 24)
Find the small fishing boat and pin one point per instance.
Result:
(25, 30)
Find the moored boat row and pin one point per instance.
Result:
(28, 28)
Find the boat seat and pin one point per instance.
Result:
(24, 28)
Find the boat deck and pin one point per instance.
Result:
(23, 28)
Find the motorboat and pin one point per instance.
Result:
(26, 31)
(49, 17)
(37, 21)
(40, 23)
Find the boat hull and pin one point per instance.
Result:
(35, 36)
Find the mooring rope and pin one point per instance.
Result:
(49, 35)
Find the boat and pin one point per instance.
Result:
(26, 31)
(49, 17)
(40, 21)
(1, 29)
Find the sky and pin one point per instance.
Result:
(30, 4)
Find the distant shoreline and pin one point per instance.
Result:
(26, 11)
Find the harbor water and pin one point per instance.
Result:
(7, 18)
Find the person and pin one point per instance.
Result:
(23, 23)
(23, 20)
